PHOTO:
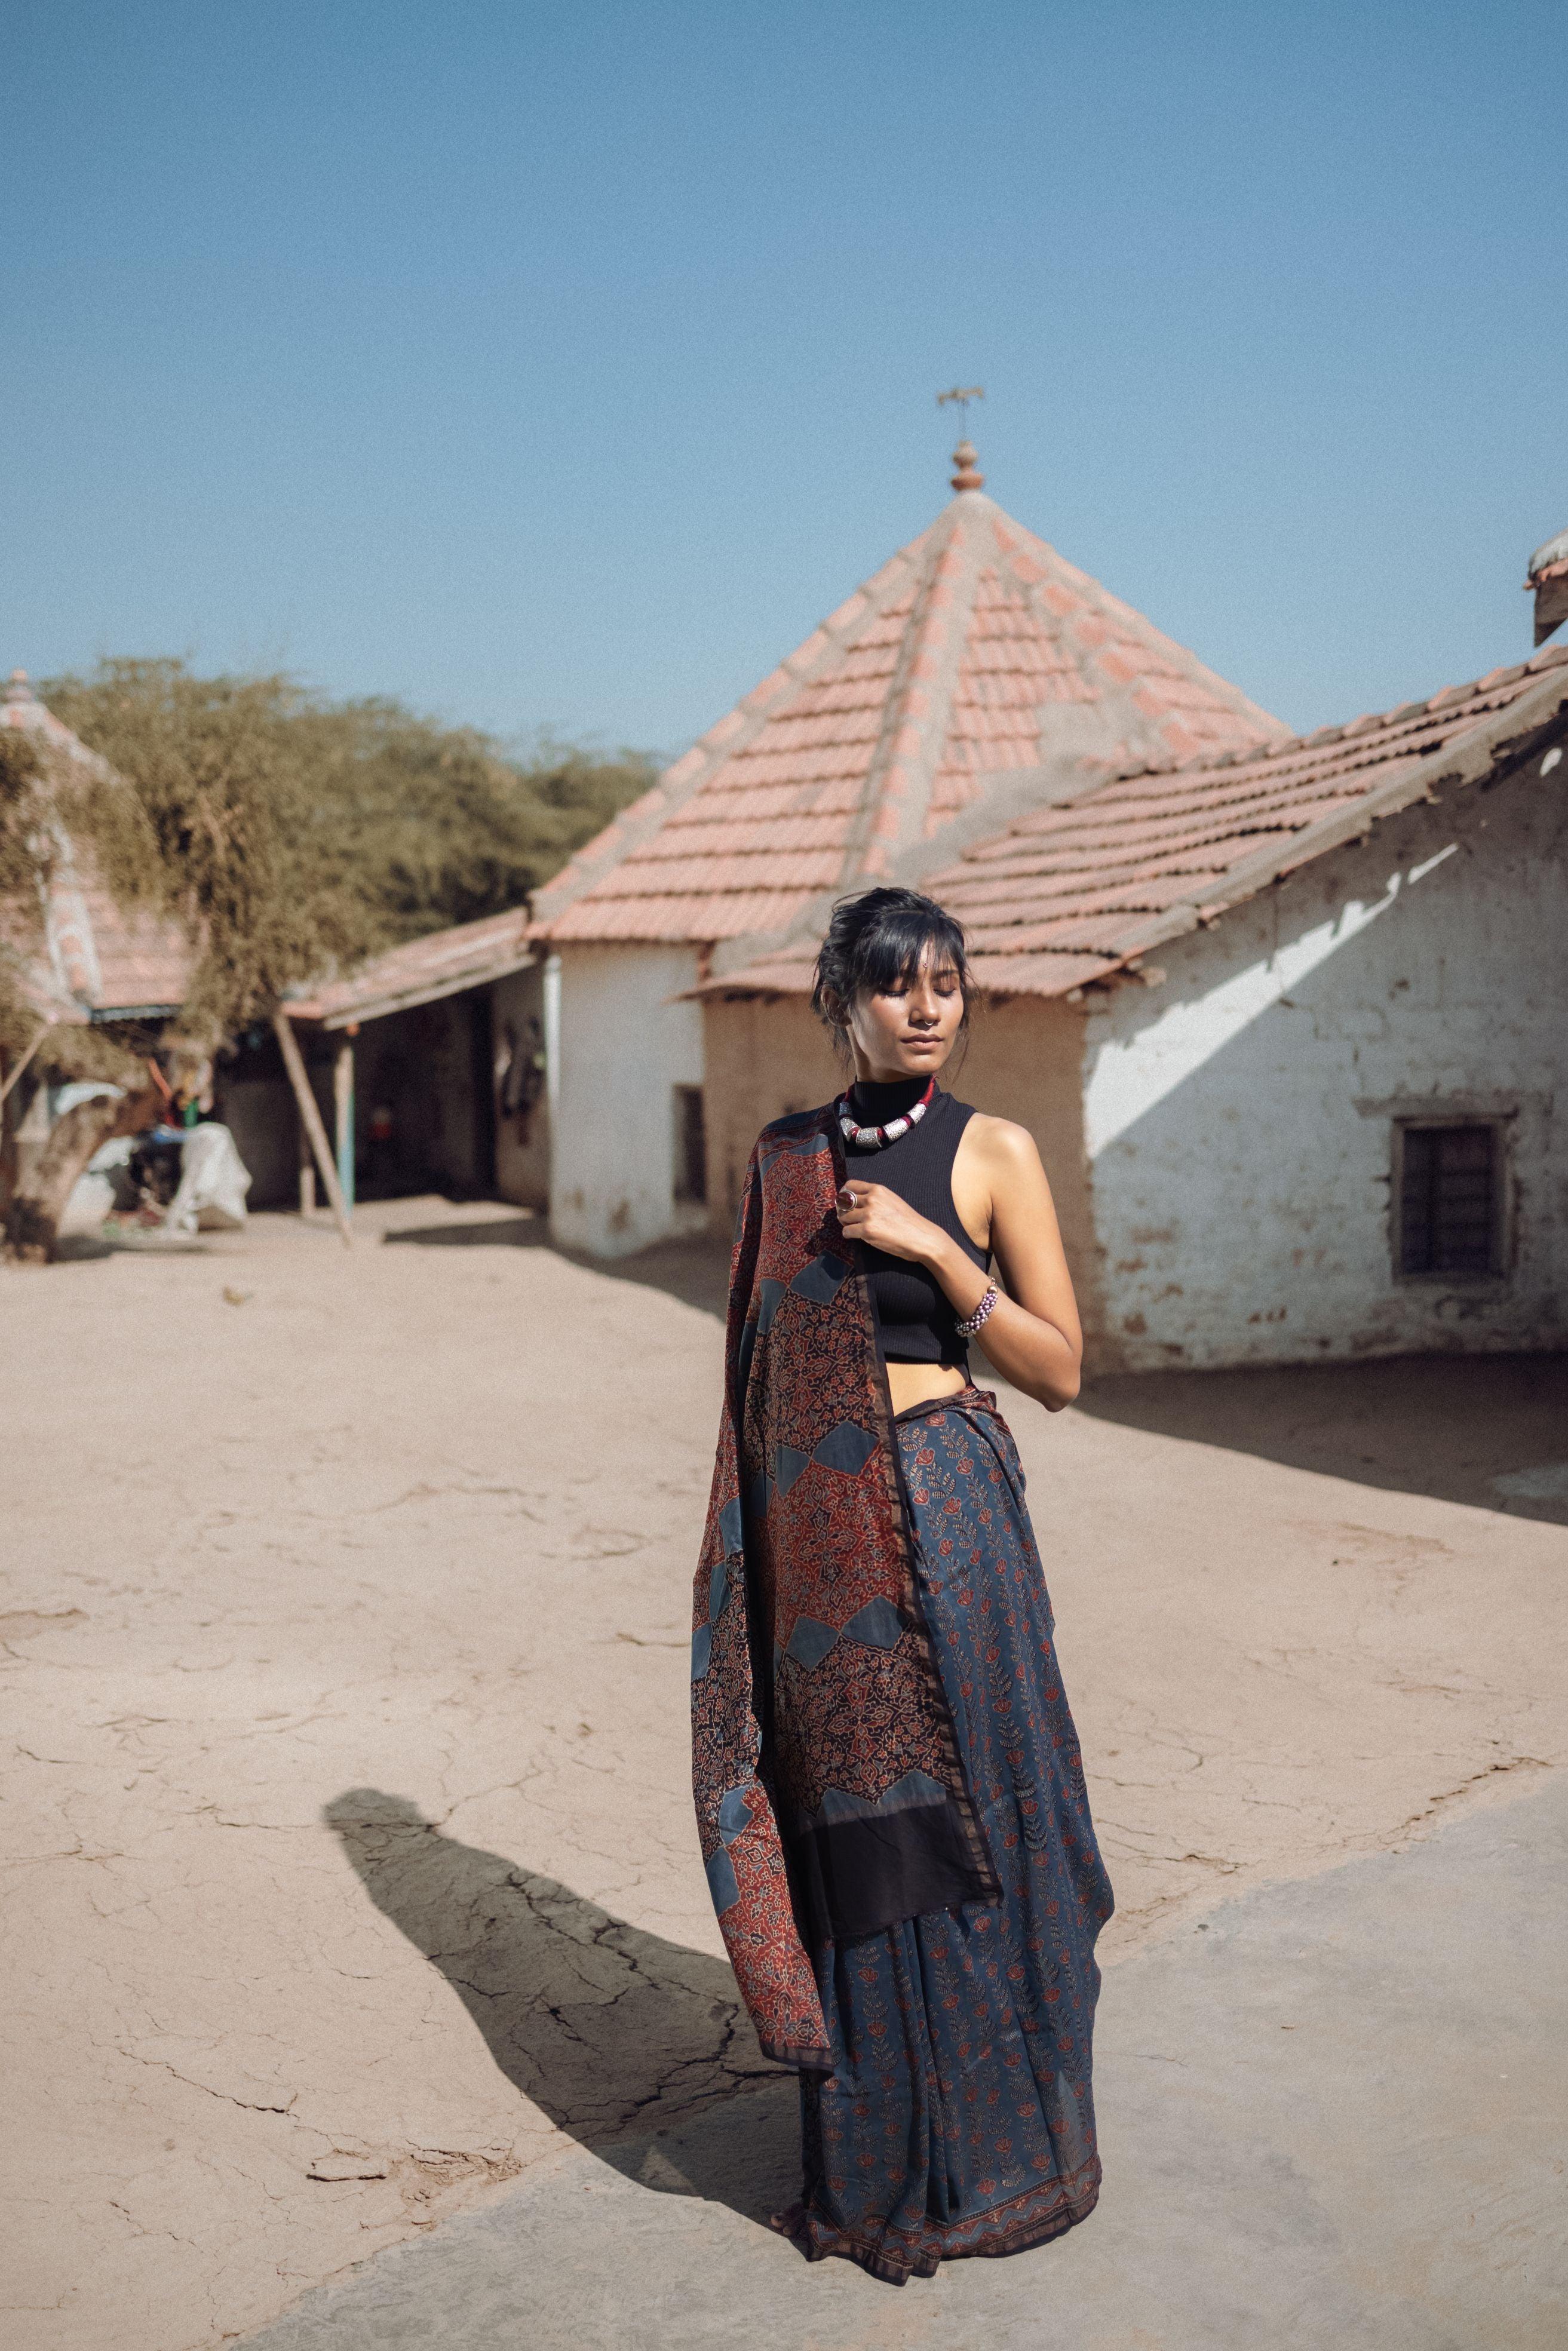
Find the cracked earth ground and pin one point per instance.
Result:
(350, 1868)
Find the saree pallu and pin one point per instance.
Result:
(958, 2117)
(830, 1796)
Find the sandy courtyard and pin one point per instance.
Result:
(349, 1862)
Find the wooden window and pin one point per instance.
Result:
(1450, 1200)
(691, 1145)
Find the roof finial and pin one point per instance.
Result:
(963, 458)
(20, 691)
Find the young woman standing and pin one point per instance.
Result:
(888, 1783)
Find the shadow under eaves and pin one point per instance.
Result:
(635, 2047)
(1489, 1430)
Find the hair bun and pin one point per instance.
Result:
(878, 939)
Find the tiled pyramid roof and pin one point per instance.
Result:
(976, 673)
(96, 958)
(1070, 894)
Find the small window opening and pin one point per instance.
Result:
(1448, 1220)
(691, 1145)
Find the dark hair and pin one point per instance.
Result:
(880, 940)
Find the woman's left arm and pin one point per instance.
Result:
(1032, 1333)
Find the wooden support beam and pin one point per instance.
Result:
(13, 1074)
(294, 1063)
(307, 1175)
(344, 1110)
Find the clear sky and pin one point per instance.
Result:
(560, 366)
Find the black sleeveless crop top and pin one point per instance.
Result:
(919, 1322)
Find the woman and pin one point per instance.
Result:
(888, 1784)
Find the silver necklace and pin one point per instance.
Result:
(872, 1138)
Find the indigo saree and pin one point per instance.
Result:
(888, 1786)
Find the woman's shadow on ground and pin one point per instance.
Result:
(638, 2048)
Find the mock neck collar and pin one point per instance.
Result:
(875, 1104)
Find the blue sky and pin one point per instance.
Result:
(560, 367)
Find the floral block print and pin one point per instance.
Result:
(830, 1791)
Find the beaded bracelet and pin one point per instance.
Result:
(971, 1323)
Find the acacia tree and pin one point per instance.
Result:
(204, 812)
(287, 837)
(360, 823)
(33, 1048)
(21, 849)
(435, 824)
(221, 828)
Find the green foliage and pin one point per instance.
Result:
(431, 825)
(32, 793)
(71, 1050)
(36, 794)
(25, 848)
(220, 828)
(292, 836)
(20, 776)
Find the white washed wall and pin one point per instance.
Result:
(621, 1047)
(1237, 1117)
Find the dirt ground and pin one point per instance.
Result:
(350, 1861)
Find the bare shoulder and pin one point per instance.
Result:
(1003, 1146)
(1005, 1161)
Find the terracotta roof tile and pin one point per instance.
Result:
(972, 657)
(1071, 893)
(442, 963)
(648, 877)
(739, 910)
(1153, 849)
(142, 960)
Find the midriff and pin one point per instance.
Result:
(910, 1384)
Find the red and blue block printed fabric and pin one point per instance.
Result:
(830, 1791)
(958, 2116)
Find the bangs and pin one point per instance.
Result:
(890, 950)
(877, 943)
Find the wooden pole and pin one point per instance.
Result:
(307, 1175)
(12, 1075)
(343, 1107)
(293, 1061)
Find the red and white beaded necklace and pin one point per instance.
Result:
(872, 1138)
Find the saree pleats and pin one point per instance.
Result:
(959, 2115)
